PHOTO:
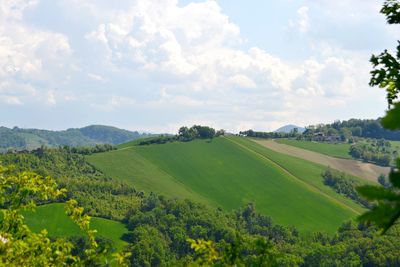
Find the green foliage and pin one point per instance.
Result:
(391, 120)
(386, 74)
(206, 251)
(251, 133)
(382, 179)
(158, 140)
(196, 132)
(99, 148)
(358, 128)
(101, 196)
(391, 9)
(19, 246)
(387, 210)
(344, 185)
(376, 151)
(161, 227)
(185, 134)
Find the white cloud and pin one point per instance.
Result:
(29, 55)
(128, 50)
(202, 63)
(115, 102)
(242, 81)
(302, 22)
(13, 9)
(97, 77)
(51, 98)
(11, 100)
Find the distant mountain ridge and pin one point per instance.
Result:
(28, 139)
(288, 128)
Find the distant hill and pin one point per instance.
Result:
(288, 128)
(28, 139)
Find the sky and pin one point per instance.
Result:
(155, 65)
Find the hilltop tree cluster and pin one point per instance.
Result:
(198, 132)
(185, 134)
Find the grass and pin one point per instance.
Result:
(307, 171)
(334, 150)
(395, 145)
(226, 174)
(129, 165)
(53, 218)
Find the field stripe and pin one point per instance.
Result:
(362, 170)
(308, 186)
(203, 199)
(169, 178)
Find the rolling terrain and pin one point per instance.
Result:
(29, 139)
(52, 217)
(357, 168)
(334, 150)
(230, 172)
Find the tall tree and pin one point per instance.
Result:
(386, 74)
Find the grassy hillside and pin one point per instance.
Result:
(307, 171)
(334, 150)
(229, 175)
(53, 218)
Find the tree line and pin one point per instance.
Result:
(344, 185)
(185, 134)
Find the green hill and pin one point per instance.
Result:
(230, 172)
(334, 150)
(28, 139)
(53, 218)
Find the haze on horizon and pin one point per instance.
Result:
(156, 65)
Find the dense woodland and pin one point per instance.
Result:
(159, 227)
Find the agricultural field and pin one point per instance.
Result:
(230, 172)
(53, 218)
(357, 168)
(333, 150)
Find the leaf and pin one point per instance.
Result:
(391, 121)
(371, 192)
(394, 177)
(384, 215)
